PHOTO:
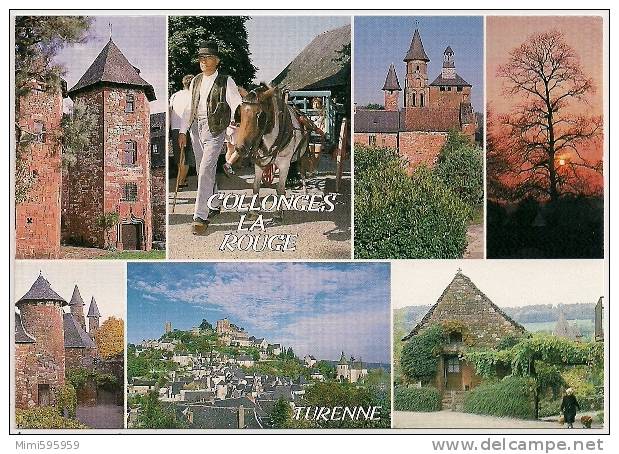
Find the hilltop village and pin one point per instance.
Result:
(223, 377)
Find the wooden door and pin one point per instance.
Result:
(453, 373)
(131, 236)
(44, 396)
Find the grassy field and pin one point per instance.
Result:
(586, 327)
(135, 255)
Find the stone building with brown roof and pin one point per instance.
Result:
(113, 175)
(419, 129)
(470, 319)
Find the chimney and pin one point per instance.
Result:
(241, 417)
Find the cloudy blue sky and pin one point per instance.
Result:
(317, 308)
(142, 39)
(380, 41)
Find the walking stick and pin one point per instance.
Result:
(181, 165)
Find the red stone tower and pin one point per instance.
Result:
(114, 175)
(392, 90)
(416, 91)
(93, 318)
(25, 367)
(42, 318)
(39, 160)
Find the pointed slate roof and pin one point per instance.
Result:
(21, 335)
(76, 298)
(74, 334)
(112, 67)
(41, 290)
(391, 82)
(416, 52)
(463, 290)
(448, 50)
(93, 310)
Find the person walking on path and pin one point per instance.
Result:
(569, 407)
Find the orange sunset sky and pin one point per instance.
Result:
(584, 34)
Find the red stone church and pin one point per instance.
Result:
(419, 129)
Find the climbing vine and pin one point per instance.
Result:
(421, 353)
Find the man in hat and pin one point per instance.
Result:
(214, 99)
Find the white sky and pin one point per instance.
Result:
(103, 279)
(506, 282)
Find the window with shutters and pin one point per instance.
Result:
(372, 140)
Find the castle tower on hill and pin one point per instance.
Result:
(114, 174)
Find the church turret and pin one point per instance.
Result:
(449, 67)
(93, 318)
(416, 92)
(76, 305)
(392, 89)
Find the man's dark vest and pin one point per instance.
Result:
(218, 111)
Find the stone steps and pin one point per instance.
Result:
(453, 400)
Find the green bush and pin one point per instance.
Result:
(416, 399)
(45, 418)
(420, 355)
(512, 396)
(461, 168)
(67, 398)
(397, 216)
(549, 408)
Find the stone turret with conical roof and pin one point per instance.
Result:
(76, 305)
(113, 175)
(41, 317)
(93, 317)
(416, 91)
(392, 89)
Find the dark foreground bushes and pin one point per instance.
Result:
(417, 399)
(512, 396)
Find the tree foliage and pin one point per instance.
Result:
(205, 325)
(185, 33)
(154, 414)
(45, 418)
(543, 138)
(420, 355)
(511, 397)
(107, 221)
(399, 216)
(110, 337)
(460, 167)
(416, 399)
(281, 415)
(66, 399)
(77, 128)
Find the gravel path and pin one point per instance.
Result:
(320, 235)
(475, 238)
(447, 419)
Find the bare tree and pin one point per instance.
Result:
(544, 135)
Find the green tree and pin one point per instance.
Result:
(281, 414)
(373, 106)
(155, 415)
(205, 325)
(420, 355)
(185, 33)
(107, 222)
(399, 216)
(77, 126)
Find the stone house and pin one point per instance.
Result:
(350, 370)
(114, 174)
(419, 129)
(39, 159)
(471, 319)
(49, 342)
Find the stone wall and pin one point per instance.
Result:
(37, 220)
(82, 185)
(421, 147)
(446, 98)
(383, 139)
(392, 100)
(79, 358)
(44, 322)
(26, 390)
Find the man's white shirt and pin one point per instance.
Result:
(178, 103)
(233, 98)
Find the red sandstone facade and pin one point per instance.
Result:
(419, 130)
(107, 179)
(37, 220)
